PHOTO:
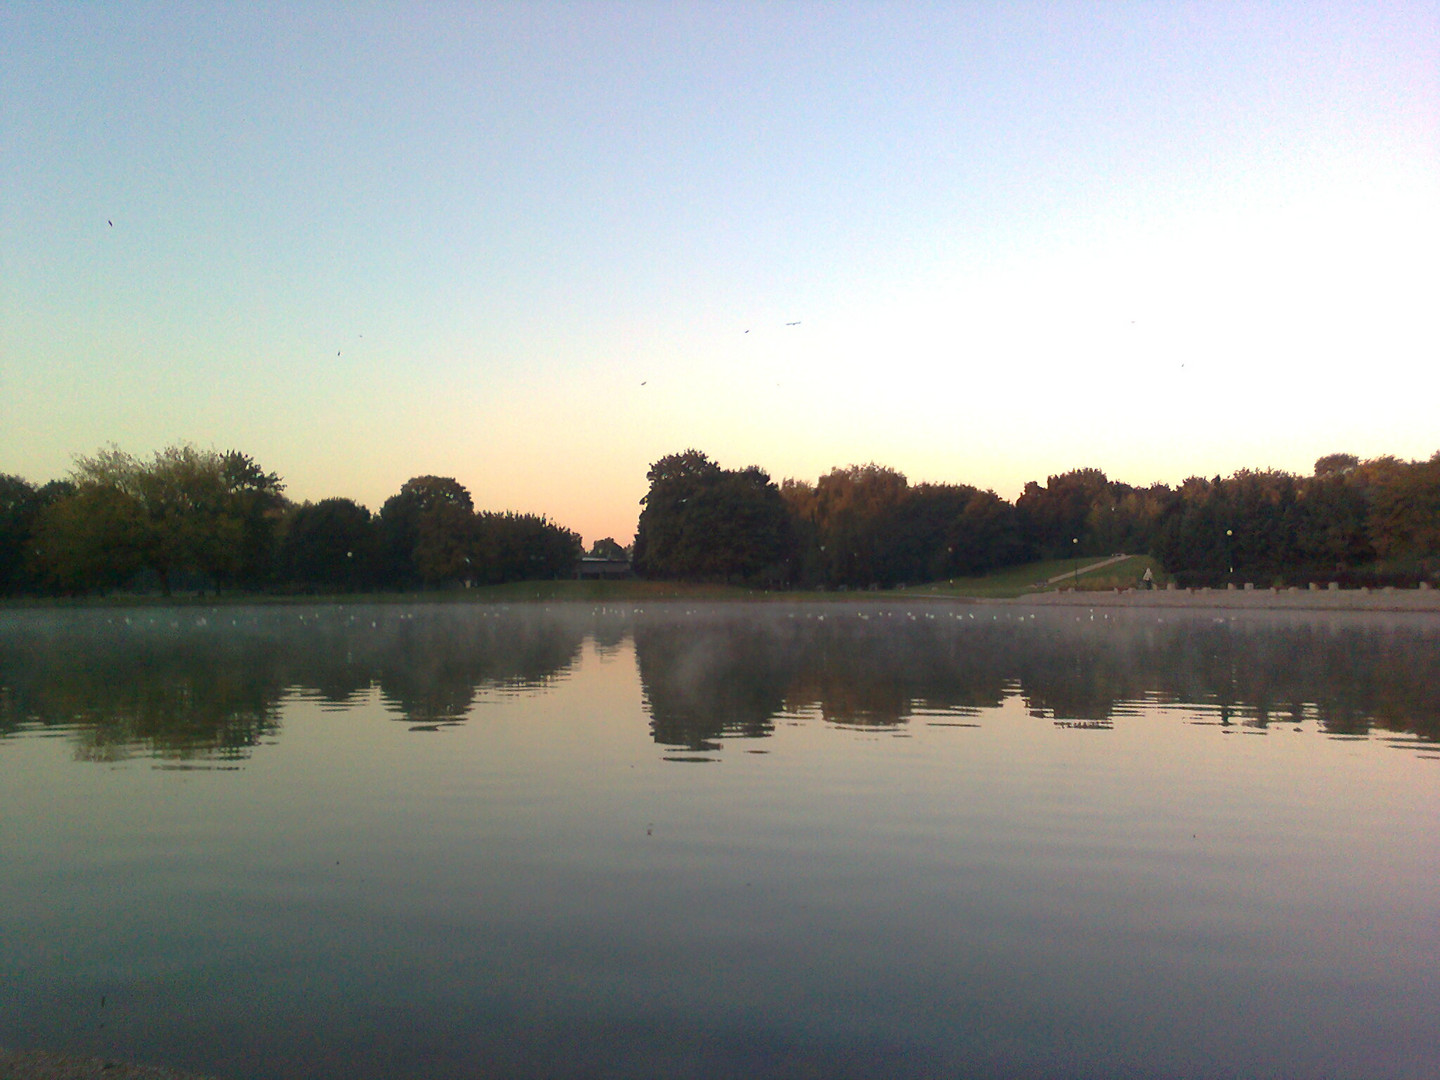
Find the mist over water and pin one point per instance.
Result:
(929, 839)
(209, 683)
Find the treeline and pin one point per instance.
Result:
(1375, 521)
(202, 519)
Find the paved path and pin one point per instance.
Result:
(1071, 574)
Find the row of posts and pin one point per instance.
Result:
(1333, 586)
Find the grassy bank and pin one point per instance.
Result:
(1036, 577)
(515, 592)
(1015, 581)
(1011, 582)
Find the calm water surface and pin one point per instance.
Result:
(878, 840)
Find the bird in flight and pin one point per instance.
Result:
(795, 323)
(109, 222)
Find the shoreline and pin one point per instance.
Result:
(44, 1065)
(1243, 599)
(1291, 599)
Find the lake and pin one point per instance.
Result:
(683, 840)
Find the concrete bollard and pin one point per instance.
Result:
(1314, 587)
(1249, 586)
(1334, 586)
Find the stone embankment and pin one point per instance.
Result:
(41, 1065)
(1315, 598)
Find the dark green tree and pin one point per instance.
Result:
(702, 522)
(185, 510)
(257, 499)
(329, 545)
(1404, 517)
(607, 548)
(21, 506)
(1055, 519)
(400, 524)
(522, 547)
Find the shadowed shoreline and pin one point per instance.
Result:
(1419, 600)
(43, 1065)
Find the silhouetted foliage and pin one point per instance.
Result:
(439, 503)
(212, 520)
(607, 548)
(21, 506)
(864, 525)
(1335, 525)
(331, 544)
(1055, 519)
(703, 522)
(184, 511)
(522, 547)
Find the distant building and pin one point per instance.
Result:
(596, 566)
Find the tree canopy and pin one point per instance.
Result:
(184, 510)
(701, 521)
(209, 520)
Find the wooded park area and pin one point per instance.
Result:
(202, 520)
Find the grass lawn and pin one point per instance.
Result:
(515, 592)
(1003, 584)
(1016, 581)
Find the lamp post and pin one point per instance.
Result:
(1075, 549)
(1229, 553)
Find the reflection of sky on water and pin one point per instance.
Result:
(985, 874)
(193, 685)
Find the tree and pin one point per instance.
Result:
(983, 537)
(607, 548)
(185, 510)
(703, 522)
(256, 498)
(21, 506)
(445, 538)
(88, 540)
(522, 547)
(1404, 522)
(400, 524)
(330, 544)
(1335, 464)
(856, 526)
(1053, 517)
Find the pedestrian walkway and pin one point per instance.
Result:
(1068, 574)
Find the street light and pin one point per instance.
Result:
(1229, 553)
(1075, 540)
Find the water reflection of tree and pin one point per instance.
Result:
(876, 668)
(169, 696)
(708, 678)
(431, 669)
(726, 671)
(207, 685)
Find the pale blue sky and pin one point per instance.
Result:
(1159, 239)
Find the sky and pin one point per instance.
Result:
(538, 246)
